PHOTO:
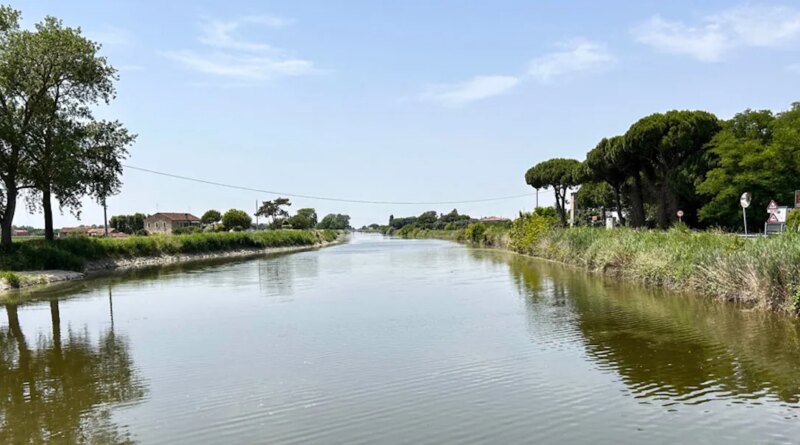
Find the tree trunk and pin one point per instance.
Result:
(664, 204)
(47, 207)
(637, 202)
(560, 207)
(7, 219)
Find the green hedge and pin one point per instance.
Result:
(75, 252)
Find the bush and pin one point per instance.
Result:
(187, 230)
(529, 228)
(236, 220)
(12, 279)
(475, 232)
(793, 220)
(409, 231)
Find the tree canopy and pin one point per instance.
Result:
(756, 152)
(560, 174)
(304, 219)
(237, 220)
(335, 221)
(51, 79)
(274, 210)
(211, 217)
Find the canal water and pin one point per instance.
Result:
(390, 341)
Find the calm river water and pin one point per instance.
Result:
(390, 341)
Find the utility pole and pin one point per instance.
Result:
(256, 214)
(537, 198)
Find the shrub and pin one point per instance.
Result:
(12, 279)
(793, 220)
(529, 228)
(475, 232)
(187, 230)
(408, 231)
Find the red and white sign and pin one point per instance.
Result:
(773, 218)
(680, 213)
(772, 207)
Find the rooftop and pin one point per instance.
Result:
(173, 216)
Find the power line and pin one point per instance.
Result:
(321, 198)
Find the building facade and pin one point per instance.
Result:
(165, 223)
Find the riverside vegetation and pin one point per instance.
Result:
(763, 273)
(75, 253)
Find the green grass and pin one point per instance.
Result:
(762, 272)
(74, 253)
(13, 280)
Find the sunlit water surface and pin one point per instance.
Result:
(390, 341)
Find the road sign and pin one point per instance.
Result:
(745, 199)
(773, 218)
(772, 207)
(680, 215)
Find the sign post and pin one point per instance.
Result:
(777, 218)
(680, 215)
(744, 201)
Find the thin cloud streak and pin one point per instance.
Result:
(573, 57)
(576, 56)
(227, 54)
(475, 89)
(719, 34)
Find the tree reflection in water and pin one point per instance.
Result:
(62, 387)
(666, 348)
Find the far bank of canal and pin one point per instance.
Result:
(391, 340)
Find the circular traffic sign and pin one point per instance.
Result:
(680, 213)
(745, 199)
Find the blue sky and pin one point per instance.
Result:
(408, 100)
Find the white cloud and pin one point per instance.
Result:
(477, 88)
(227, 53)
(575, 56)
(718, 34)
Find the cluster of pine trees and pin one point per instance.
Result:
(684, 160)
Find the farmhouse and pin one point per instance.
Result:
(165, 223)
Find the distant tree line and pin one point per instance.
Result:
(431, 220)
(683, 160)
(51, 146)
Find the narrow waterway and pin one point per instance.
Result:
(390, 341)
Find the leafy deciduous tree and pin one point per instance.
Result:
(235, 219)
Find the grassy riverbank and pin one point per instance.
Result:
(763, 272)
(76, 253)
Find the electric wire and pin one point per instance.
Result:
(320, 198)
